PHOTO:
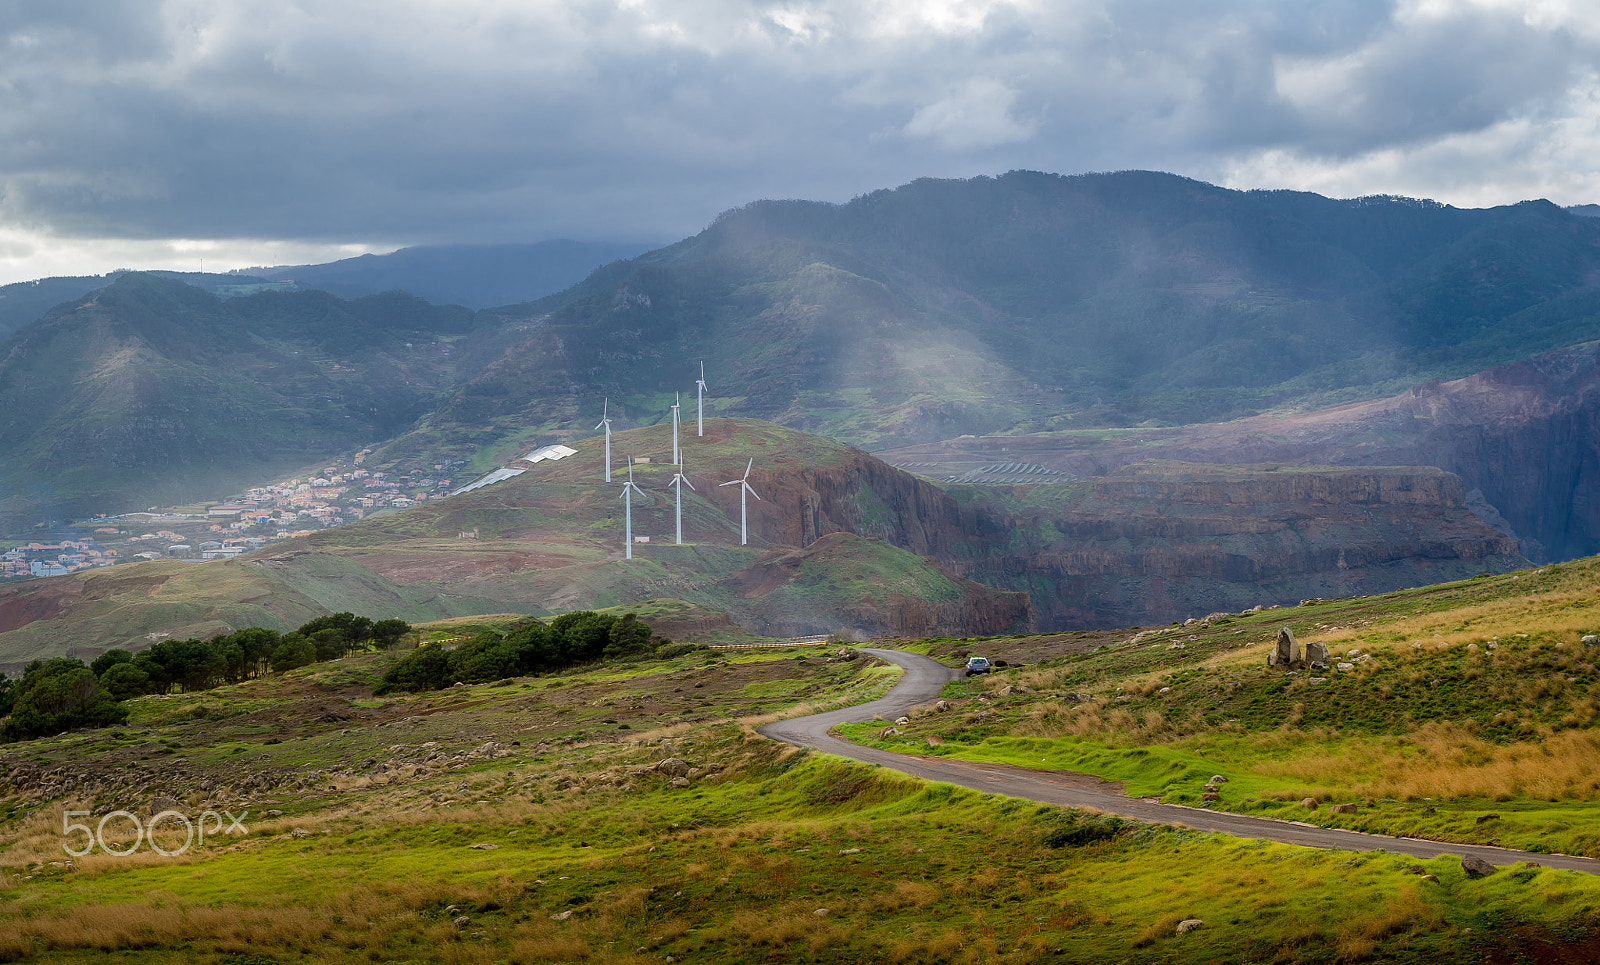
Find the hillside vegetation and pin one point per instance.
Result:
(627, 812)
(1018, 303)
(1460, 712)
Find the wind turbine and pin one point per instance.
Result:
(677, 458)
(628, 489)
(605, 420)
(743, 482)
(679, 481)
(699, 401)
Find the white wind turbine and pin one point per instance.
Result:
(605, 420)
(679, 481)
(628, 489)
(743, 482)
(677, 457)
(700, 402)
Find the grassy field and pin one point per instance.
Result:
(550, 819)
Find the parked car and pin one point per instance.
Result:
(978, 665)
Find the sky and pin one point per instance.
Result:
(216, 134)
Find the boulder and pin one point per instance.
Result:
(1217, 779)
(1310, 804)
(673, 767)
(1475, 866)
(1287, 651)
(679, 782)
(162, 802)
(902, 721)
(1189, 925)
(299, 833)
(1317, 655)
(1590, 640)
(1211, 796)
(888, 732)
(1344, 809)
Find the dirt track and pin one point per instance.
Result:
(925, 677)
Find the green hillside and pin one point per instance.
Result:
(628, 812)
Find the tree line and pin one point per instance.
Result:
(531, 648)
(63, 693)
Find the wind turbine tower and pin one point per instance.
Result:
(743, 482)
(605, 420)
(628, 489)
(677, 457)
(700, 401)
(679, 481)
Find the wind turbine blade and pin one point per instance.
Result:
(731, 482)
(752, 491)
(686, 482)
(752, 462)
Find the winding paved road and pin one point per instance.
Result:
(925, 678)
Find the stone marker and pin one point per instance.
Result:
(1287, 652)
(1317, 656)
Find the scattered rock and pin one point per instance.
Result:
(1346, 667)
(1217, 779)
(298, 833)
(1189, 925)
(1343, 809)
(1433, 878)
(902, 721)
(679, 782)
(1211, 796)
(1590, 640)
(1416, 869)
(563, 915)
(851, 851)
(822, 913)
(1318, 681)
(161, 803)
(1211, 788)
(1491, 816)
(1475, 866)
(943, 706)
(485, 847)
(888, 732)
(1163, 691)
(462, 921)
(1310, 804)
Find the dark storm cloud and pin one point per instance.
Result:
(514, 120)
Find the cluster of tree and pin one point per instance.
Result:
(532, 648)
(61, 694)
(53, 696)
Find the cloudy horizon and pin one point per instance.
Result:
(219, 135)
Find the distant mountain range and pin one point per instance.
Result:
(474, 276)
(1019, 304)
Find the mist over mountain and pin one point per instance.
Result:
(1021, 303)
(477, 276)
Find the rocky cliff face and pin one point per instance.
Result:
(1524, 438)
(1156, 541)
(1166, 541)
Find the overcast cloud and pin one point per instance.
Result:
(238, 132)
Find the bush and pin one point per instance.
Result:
(426, 668)
(669, 650)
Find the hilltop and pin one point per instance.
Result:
(839, 542)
